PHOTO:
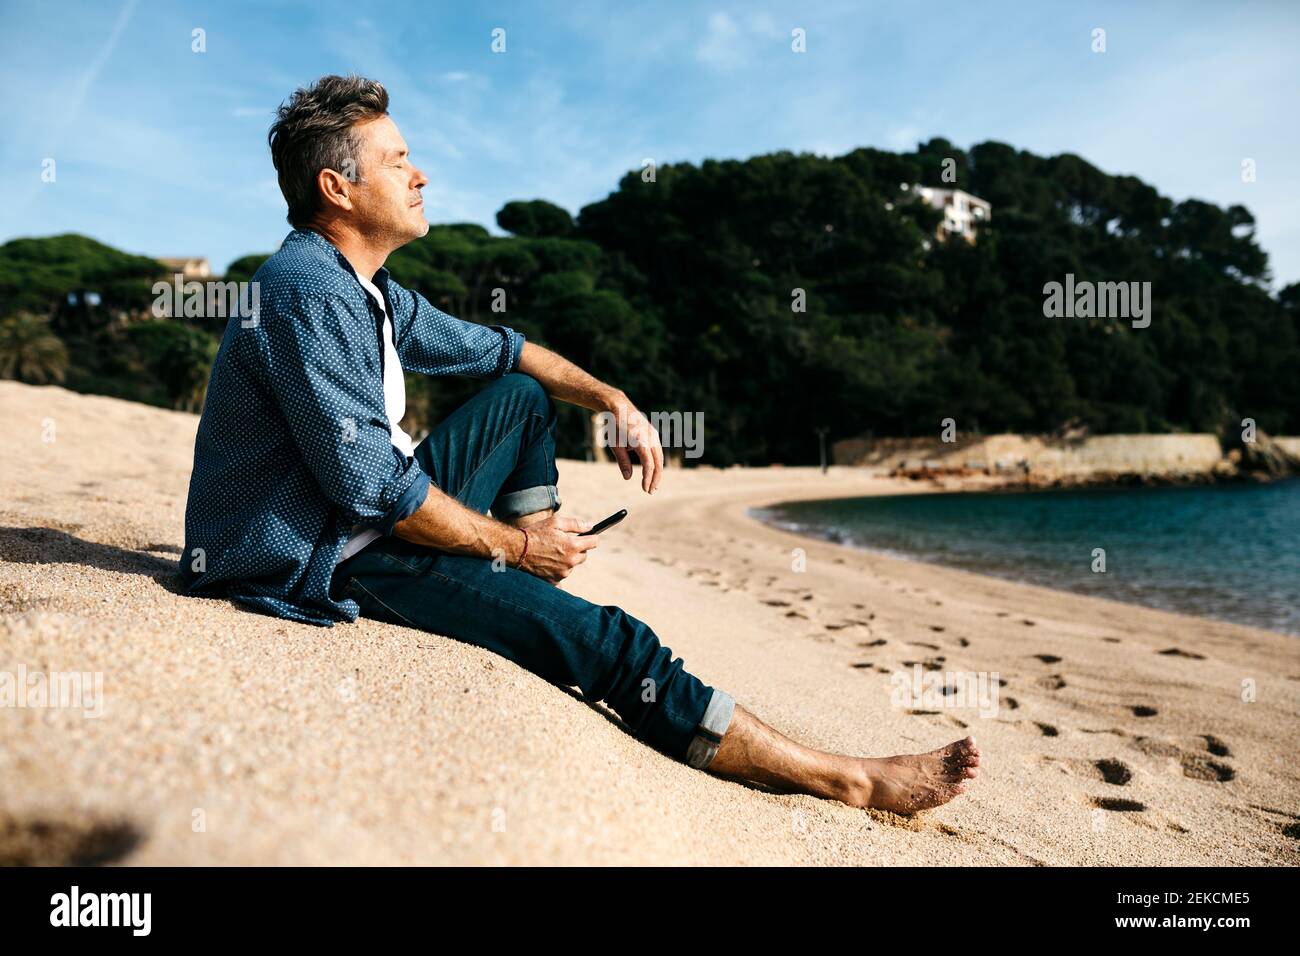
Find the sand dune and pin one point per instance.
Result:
(1121, 735)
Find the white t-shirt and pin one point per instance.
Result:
(394, 405)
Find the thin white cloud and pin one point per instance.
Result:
(97, 64)
(722, 45)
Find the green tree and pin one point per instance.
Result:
(179, 357)
(535, 219)
(243, 268)
(29, 351)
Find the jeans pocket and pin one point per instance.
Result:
(370, 596)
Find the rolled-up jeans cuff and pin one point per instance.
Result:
(708, 735)
(513, 504)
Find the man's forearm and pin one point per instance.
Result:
(444, 523)
(565, 381)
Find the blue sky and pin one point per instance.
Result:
(161, 150)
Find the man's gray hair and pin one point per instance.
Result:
(314, 131)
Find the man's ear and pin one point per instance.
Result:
(335, 188)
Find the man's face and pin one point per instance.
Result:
(387, 204)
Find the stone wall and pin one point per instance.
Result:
(1135, 454)
(1289, 443)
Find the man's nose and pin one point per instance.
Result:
(421, 180)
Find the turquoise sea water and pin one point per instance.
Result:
(1224, 551)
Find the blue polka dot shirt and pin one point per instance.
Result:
(294, 445)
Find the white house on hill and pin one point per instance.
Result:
(961, 211)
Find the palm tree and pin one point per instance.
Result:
(29, 351)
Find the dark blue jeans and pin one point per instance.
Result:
(498, 451)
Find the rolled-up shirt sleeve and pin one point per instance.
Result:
(434, 343)
(324, 371)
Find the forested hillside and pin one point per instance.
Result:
(680, 291)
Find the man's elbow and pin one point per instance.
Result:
(375, 506)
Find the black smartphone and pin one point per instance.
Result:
(609, 522)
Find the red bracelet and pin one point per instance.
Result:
(525, 551)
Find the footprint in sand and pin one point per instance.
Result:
(694, 571)
(1043, 730)
(1051, 682)
(1108, 770)
(76, 841)
(876, 643)
(1196, 766)
(929, 647)
(1117, 804)
(1047, 658)
(1203, 768)
(1288, 825)
(1141, 710)
(1179, 652)
(929, 664)
(947, 719)
(937, 628)
(1216, 746)
(1141, 814)
(1114, 771)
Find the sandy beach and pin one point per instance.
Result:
(1121, 735)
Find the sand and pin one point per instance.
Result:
(229, 737)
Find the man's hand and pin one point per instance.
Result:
(555, 549)
(565, 381)
(635, 431)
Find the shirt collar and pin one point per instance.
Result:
(324, 245)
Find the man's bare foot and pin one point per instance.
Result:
(912, 782)
(751, 750)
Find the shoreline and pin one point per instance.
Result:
(813, 533)
(1122, 735)
(1096, 480)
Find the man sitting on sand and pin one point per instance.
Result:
(309, 502)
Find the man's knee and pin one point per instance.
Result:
(529, 392)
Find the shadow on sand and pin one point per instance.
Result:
(51, 546)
